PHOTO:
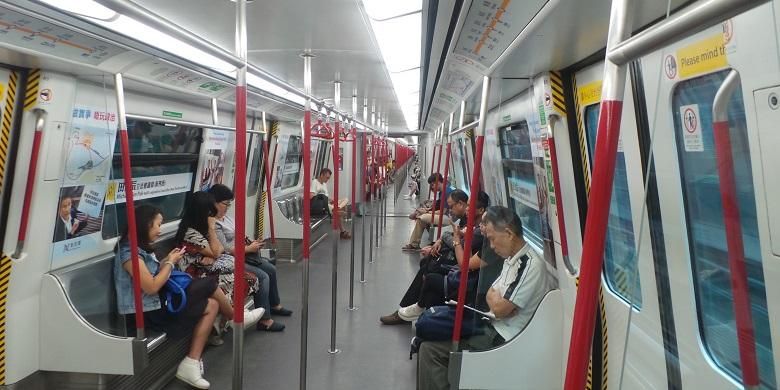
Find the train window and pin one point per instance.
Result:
(620, 248)
(515, 145)
(706, 230)
(291, 171)
(164, 161)
(255, 166)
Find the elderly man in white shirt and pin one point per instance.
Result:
(513, 297)
(319, 186)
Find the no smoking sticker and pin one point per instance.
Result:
(670, 66)
(691, 126)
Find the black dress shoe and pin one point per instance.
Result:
(281, 312)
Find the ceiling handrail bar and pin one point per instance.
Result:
(691, 20)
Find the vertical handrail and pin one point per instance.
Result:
(607, 137)
(364, 179)
(240, 201)
(127, 176)
(371, 200)
(336, 220)
(32, 170)
(733, 225)
(558, 198)
(306, 217)
(443, 196)
(352, 210)
(433, 162)
(472, 214)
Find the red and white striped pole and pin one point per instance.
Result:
(557, 190)
(127, 176)
(731, 220)
(443, 200)
(472, 213)
(240, 201)
(607, 137)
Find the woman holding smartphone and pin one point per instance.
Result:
(203, 296)
(267, 296)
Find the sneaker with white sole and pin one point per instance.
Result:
(189, 372)
(411, 312)
(251, 317)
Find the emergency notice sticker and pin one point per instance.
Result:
(691, 126)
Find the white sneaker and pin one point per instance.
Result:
(407, 197)
(251, 317)
(411, 312)
(189, 373)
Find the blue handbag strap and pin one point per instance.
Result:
(169, 296)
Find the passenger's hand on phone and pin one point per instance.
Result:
(436, 248)
(426, 251)
(207, 260)
(253, 247)
(175, 255)
(457, 235)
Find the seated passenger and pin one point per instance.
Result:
(203, 296)
(319, 186)
(513, 297)
(427, 287)
(425, 217)
(267, 296)
(205, 256)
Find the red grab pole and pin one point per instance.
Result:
(127, 176)
(40, 119)
(598, 204)
(336, 139)
(732, 223)
(472, 214)
(433, 162)
(444, 191)
(558, 198)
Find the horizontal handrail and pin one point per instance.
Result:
(186, 123)
(465, 127)
(691, 20)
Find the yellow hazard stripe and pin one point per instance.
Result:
(5, 277)
(7, 122)
(33, 85)
(261, 214)
(470, 133)
(581, 137)
(274, 129)
(556, 85)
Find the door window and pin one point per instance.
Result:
(692, 108)
(620, 248)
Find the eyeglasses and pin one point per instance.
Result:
(227, 203)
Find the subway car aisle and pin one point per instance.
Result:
(271, 359)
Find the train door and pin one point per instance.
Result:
(714, 92)
(628, 277)
(254, 185)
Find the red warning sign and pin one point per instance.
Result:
(690, 121)
(45, 95)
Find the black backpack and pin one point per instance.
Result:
(319, 205)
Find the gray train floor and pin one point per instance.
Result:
(372, 356)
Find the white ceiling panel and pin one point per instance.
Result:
(280, 30)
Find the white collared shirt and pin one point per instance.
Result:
(319, 188)
(524, 282)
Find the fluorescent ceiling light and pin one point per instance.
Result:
(399, 41)
(87, 8)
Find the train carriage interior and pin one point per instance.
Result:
(373, 194)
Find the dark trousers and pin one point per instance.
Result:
(426, 290)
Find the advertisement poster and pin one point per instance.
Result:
(213, 168)
(523, 192)
(89, 147)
